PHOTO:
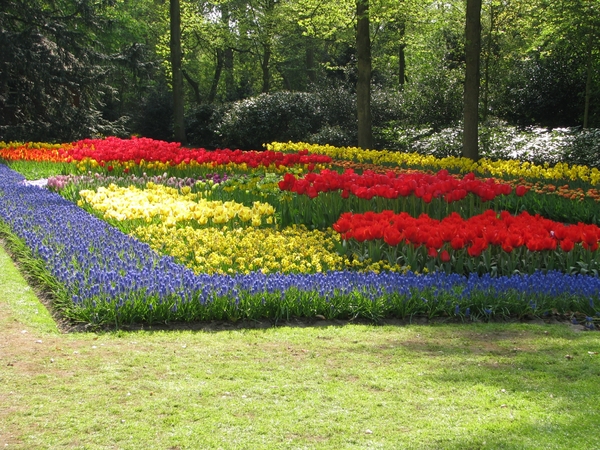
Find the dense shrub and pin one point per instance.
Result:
(333, 135)
(282, 116)
(387, 106)
(543, 90)
(430, 104)
(337, 106)
(434, 100)
(585, 148)
(201, 123)
(327, 115)
(155, 117)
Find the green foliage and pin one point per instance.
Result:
(51, 79)
(333, 135)
(155, 116)
(337, 105)
(97, 68)
(545, 90)
(201, 125)
(328, 115)
(282, 116)
(585, 149)
(432, 102)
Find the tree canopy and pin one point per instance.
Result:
(72, 69)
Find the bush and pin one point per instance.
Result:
(201, 123)
(428, 105)
(543, 90)
(337, 106)
(585, 149)
(282, 116)
(387, 106)
(333, 135)
(155, 117)
(434, 100)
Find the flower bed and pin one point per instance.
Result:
(271, 235)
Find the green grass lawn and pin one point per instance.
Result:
(324, 386)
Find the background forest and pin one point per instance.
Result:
(256, 71)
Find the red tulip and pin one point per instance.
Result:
(521, 190)
(392, 236)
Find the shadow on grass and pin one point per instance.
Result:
(541, 382)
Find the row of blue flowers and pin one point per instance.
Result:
(110, 277)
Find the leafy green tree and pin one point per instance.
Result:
(178, 99)
(577, 22)
(52, 71)
(133, 70)
(537, 58)
(363, 85)
(471, 98)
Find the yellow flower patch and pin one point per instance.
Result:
(213, 250)
(245, 250)
(171, 206)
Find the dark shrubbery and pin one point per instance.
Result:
(546, 91)
(325, 116)
(585, 148)
(155, 117)
(282, 116)
(431, 104)
(333, 135)
(201, 125)
(435, 100)
(337, 106)
(52, 74)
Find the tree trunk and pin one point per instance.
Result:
(229, 80)
(194, 85)
(176, 57)
(401, 55)
(266, 74)
(227, 57)
(363, 85)
(488, 55)
(471, 93)
(311, 73)
(401, 65)
(218, 69)
(588, 82)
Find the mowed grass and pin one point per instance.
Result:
(326, 386)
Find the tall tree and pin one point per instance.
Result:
(471, 92)
(402, 55)
(578, 21)
(176, 57)
(363, 85)
(588, 80)
(227, 54)
(52, 74)
(487, 60)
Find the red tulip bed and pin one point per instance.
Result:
(141, 231)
